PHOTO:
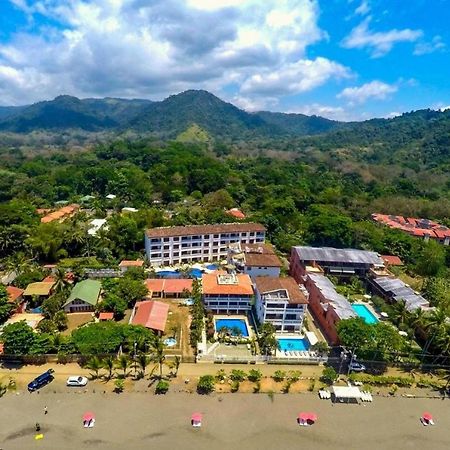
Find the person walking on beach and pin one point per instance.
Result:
(45, 410)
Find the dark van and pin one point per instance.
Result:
(41, 380)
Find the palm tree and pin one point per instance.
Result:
(143, 361)
(417, 319)
(434, 324)
(401, 313)
(446, 378)
(95, 365)
(158, 355)
(61, 284)
(176, 364)
(123, 363)
(108, 364)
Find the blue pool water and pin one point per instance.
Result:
(195, 273)
(168, 274)
(211, 267)
(289, 345)
(364, 313)
(232, 323)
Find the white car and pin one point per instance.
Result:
(76, 381)
(356, 367)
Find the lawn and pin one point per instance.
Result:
(75, 320)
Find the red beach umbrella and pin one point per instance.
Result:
(312, 417)
(427, 416)
(303, 416)
(87, 416)
(196, 417)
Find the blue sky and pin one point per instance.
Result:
(343, 59)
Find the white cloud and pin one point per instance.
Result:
(373, 90)
(255, 104)
(379, 43)
(294, 78)
(141, 48)
(330, 112)
(423, 48)
(363, 8)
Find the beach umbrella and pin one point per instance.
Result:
(427, 416)
(196, 419)
(312, 417)
(303, 416)
(87, 416)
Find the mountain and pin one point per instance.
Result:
(67, 112)
(299, 124)
(8, 111)
(178, 112)
(167, 119)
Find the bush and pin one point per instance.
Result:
(235, 386)
(205, 384)
(294, 375)
(162, 387)
(221, 375)
(254, 375)
(279, 375)
(329, 375)
(287, 387)
(257, 387)
(312, 384)
(119, 385)
(381, 380)
(238, 375)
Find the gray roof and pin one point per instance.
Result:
(340, 304)
(345, 255)
(397, 290)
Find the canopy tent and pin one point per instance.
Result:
(88, 419)
(306, 418)
(427, 418)
(346, 393)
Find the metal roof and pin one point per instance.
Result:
(340, 304)
(398, 291)
(338, 255)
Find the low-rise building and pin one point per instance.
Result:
(168, 287)
(42, 289)
(394, 290)
(281, 302)
(185, 244)
(333, 261)
(84, 296)
(257, 260)
(61, 214)
(327, 306)
(125, 264)
(227, 293)
(150, 314)
(15, 297)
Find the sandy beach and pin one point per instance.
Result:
(245, 421)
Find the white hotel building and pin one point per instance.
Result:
(281, 302)
(175, 245)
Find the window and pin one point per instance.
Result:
(166, 247)
(166, 239)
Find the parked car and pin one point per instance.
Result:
(41, 380)
(76, 380)
(355, 366)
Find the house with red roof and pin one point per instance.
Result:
(168, 287)
(150, 314)
(236, 213)
(15, 296)
(127, 264)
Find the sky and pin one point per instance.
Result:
(341, 59)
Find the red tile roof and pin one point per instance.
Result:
(260, 255)
(13, 293)
(151, 314)
(169, 285)
(212, 286)
(106, 316)
(61, 213)
(392, 260)
(270, 284)
(237, 213)
(192, 230)
(127, 263)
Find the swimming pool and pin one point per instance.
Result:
(364, 312)
(211, 267)
(232, 324)
(296, 344)
(196, 273)
(168, 274)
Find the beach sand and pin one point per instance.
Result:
(230, 421)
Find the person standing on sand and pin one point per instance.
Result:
(45, 410)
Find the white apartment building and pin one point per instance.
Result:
(281, 302)
(227, 293)
(174, 245)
